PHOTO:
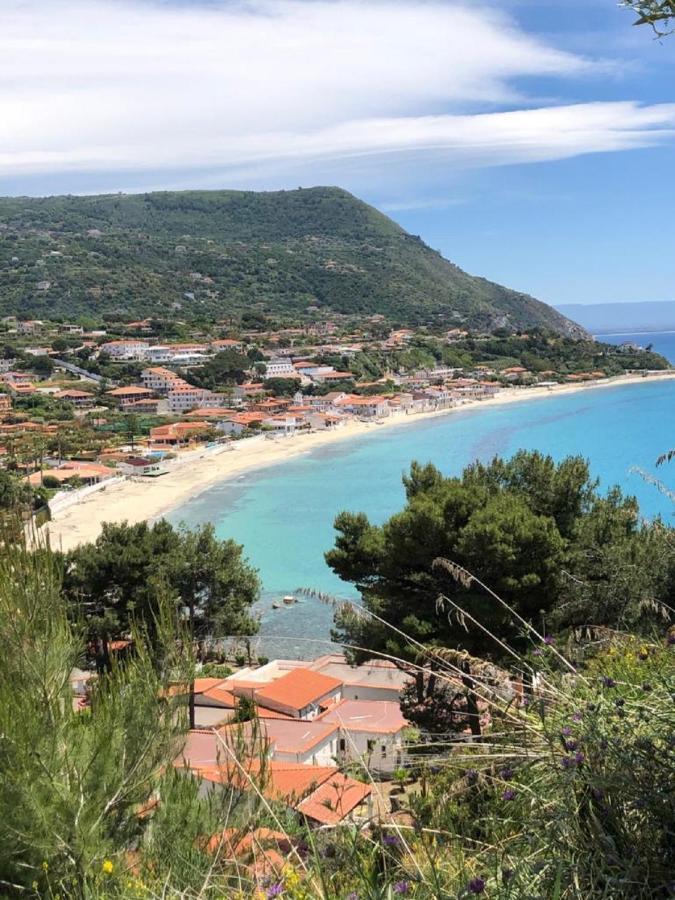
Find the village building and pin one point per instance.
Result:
(141, 466)
(371, 731)
(300, 693)
(128, 349)
(125, 397)
(79, 399)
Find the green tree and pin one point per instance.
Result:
(533, 532)
(120, 578)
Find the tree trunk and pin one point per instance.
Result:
(471, 700)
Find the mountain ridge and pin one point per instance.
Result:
(223, 253)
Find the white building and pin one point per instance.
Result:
(160, 380)
(185, 397)
(371, 731)
(280, 368)
(131, 349)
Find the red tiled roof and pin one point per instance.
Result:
(297, 689)
(334, 799)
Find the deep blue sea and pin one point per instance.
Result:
(662, 342)
(283, 514)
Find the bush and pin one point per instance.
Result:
(263, 660)
(215, 670)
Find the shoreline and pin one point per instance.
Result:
(197, 471)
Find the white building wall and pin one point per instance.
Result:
(322, 754)
(380, 752)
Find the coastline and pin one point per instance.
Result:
(196, 471)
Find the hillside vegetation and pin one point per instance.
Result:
(218, 254)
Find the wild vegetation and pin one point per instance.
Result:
(568, 795)
(235, 255)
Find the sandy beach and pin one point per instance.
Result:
(195, 471)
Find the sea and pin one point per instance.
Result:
(283, 514)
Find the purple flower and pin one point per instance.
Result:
(571, 744)
(275, 890)
(401, 887)
(577, 717)
(476, 885)
(472, 776)
(352, 896)
(548, 640)
(598, 793)
(567, 762)
(566, 731)
(508, 794)
(579, 758)
(391, 840)
(608, 682)
(536, 652)
(507, 773)
(670, 640)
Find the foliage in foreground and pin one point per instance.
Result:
(569, 795)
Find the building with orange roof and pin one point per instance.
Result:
(337, 799)
(300, 693)
(371, 731)
(295, 740)
(89, 473)
(126, 396)
(79, 399)
(177, 433)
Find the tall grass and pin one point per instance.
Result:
(568, 793)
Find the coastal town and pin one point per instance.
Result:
(88, 410)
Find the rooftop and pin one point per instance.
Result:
(383, 716)
(298, 688)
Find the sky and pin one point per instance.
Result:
(530, 141)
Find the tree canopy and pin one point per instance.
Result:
(535, 532)
(122, 576)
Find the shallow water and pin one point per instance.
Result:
(283, 514)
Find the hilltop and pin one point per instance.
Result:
(196, 254)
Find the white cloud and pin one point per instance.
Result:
(263, 84)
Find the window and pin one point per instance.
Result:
(343, 745)
(370, 745)
(384, 751)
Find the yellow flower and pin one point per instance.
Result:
(45, 866)
(35, 885)
(107, 866)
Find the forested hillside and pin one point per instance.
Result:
(220, 253)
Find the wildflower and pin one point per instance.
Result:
(643, 653)
(567, 762)
(646, 687)
(34, 885)
(352, 895)
(472, 776)
(107, 867)
(508, 794)
(619, 701)
(45, 866)
(507, 773)
(670, 640)
(507, 875)
(566, 731)
(391, 840)
(608, 682)
(577, 717)
(548, 640)
(476, 885)
(275, 890)
(571, 744)
(401, 887)
(579, 758)
(536, 652)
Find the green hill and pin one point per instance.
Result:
(220, 253)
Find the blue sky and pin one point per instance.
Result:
(531, 141)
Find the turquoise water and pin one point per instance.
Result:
(283, 514)
(662, 342)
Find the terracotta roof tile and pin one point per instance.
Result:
(297, 689)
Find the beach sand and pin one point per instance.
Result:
(195, 471)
